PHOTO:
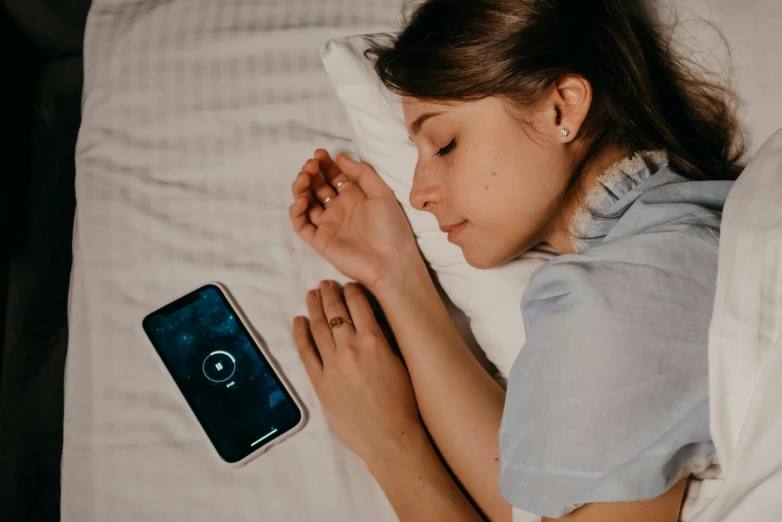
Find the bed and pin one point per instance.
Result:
(196, 116)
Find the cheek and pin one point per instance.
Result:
(508, 217)
(475, 180)
(525, 187)
(502, 196)
(507, 186)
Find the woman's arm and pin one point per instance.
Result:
(664, 508)
(364, 233)
(460, 403)
(418, 485)
(369, 402)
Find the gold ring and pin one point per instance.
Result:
(336, 322)
(326, 201)
(343, 181)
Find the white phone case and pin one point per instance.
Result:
(272, 365)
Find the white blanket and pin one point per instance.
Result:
(197, 116)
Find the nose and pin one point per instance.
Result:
(426, 192)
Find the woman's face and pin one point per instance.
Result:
(494, 182)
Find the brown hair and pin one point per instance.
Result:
(645, 96)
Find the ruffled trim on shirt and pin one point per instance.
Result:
(619, 179)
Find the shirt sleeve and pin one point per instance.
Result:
(608, 399)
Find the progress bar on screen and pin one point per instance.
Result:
(264, 437)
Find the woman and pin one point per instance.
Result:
(558, 122)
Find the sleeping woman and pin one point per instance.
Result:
(560, 122)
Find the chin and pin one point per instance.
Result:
(482, 259)
(485, 258)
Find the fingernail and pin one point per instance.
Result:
(325, 284)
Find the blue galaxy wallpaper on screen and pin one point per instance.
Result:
(227, 382)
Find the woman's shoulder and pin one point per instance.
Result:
(624, 309)
(608, 398)
(631, 276)
(663, 237)
(609, 395)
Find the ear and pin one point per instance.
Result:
(572, 98)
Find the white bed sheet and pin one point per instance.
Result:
(197, 116)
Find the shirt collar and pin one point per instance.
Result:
(613, 194)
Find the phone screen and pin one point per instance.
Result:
(230, 386)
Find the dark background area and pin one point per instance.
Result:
(42, 81)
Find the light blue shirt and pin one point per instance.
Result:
(608, 399)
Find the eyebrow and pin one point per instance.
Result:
(418, 123)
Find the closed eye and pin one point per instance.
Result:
(447, 149)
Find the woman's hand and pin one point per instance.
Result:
(368, 400)
(363, 387)
(362, 230)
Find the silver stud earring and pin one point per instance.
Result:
(564, 132)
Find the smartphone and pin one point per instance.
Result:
(224, 373)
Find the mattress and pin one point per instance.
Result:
(197, 115)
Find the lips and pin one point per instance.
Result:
(453, 230)
(448, 228)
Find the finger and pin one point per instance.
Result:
(301, 184)
(319, 186)
(360, 309)
(301, 188)
(347, 186)
(336, 178)
(307, 352)
(365, 175)
(319, 326)
(327, 165)
(311, 184)
(300, 220)
(334, 306)
(311, 166)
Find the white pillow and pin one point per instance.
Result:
(745, 345)
(491, 299)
